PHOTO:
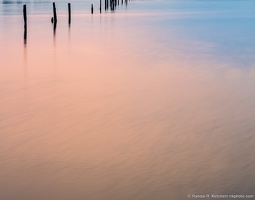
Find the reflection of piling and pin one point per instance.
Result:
(69, 13)
(92, 9)
(54, 29)
(25, 35)
(54, 13)
(25, 23)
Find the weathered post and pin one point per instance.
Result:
(25, 22)
(112, 4)
(25, 14)
(54, 13)
(92, 9)
(100, 6)
(69, 13)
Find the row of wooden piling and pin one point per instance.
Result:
(113, 4)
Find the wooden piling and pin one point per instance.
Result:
(25, 14)
(69, 13)
(92, 9)
(112, 4)
(54, 13)
(100, 8)
(25, 22)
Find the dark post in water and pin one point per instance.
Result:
(100, 6)
(92, 9)
(54, 14)
(25, 14)
(112, 4)
(25, 23)
(69, 13)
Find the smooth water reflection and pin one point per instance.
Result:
(128, 105)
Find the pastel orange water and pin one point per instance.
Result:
(120, 107)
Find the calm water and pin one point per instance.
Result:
(152, 102)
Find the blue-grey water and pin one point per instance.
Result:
(154, 101)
